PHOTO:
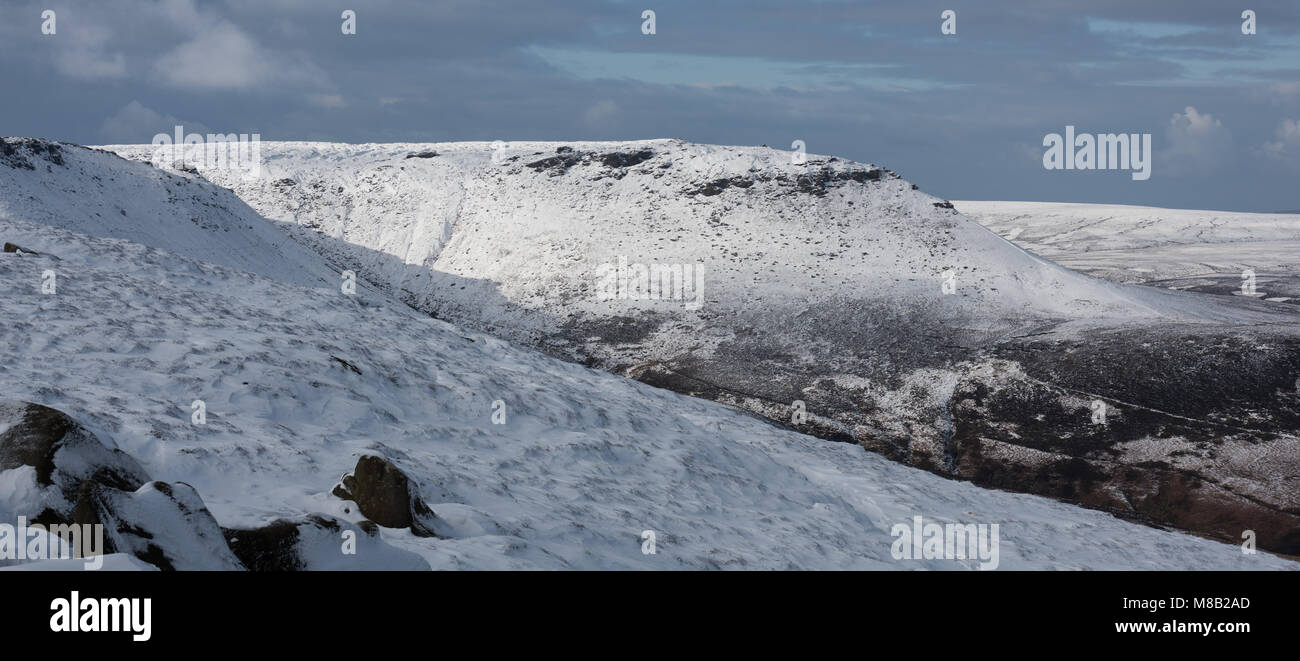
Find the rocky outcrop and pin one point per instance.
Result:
(1196, 431)
(74, 477)
(27, 153)
(166, 525)
(385, 495)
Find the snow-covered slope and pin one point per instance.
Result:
(1173, 248)
(585, 462)
(100, 194)
(834, 298)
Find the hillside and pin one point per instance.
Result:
(1181, 249)
(299, 382)
(829, 288)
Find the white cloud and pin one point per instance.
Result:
(1286, 149)
(1195, 143)
(220, 56)
(82, 54)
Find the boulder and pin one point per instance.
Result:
(63, 455)
(164, 524)
(385, 495)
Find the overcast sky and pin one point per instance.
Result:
(962, 116)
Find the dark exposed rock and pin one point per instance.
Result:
(943, 205)
(385, 495)
(623, 159)
(20, 152)
(314, 542)
(1184, 457)
(166, 525)
(423, 154)
(716, 186)
(817, 181)
(9, 247)
(346, 364)
(565, 158)
(272, 547)
(63, 453)
(275, 546)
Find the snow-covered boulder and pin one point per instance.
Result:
(164, 524)
(46, 457)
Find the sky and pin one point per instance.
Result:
(963, 115)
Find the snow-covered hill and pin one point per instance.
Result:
(833, 298)
(1182, 249)
(299, 381)
(523, 228)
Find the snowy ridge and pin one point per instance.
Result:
(514, 232)
(100, 194)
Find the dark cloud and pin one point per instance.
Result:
(961, 116)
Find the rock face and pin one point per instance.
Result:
(829, 296)
(1207, 445)
(318, 542)
(63, 457)
(166, 525)
(29, 153)
(385, 495)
